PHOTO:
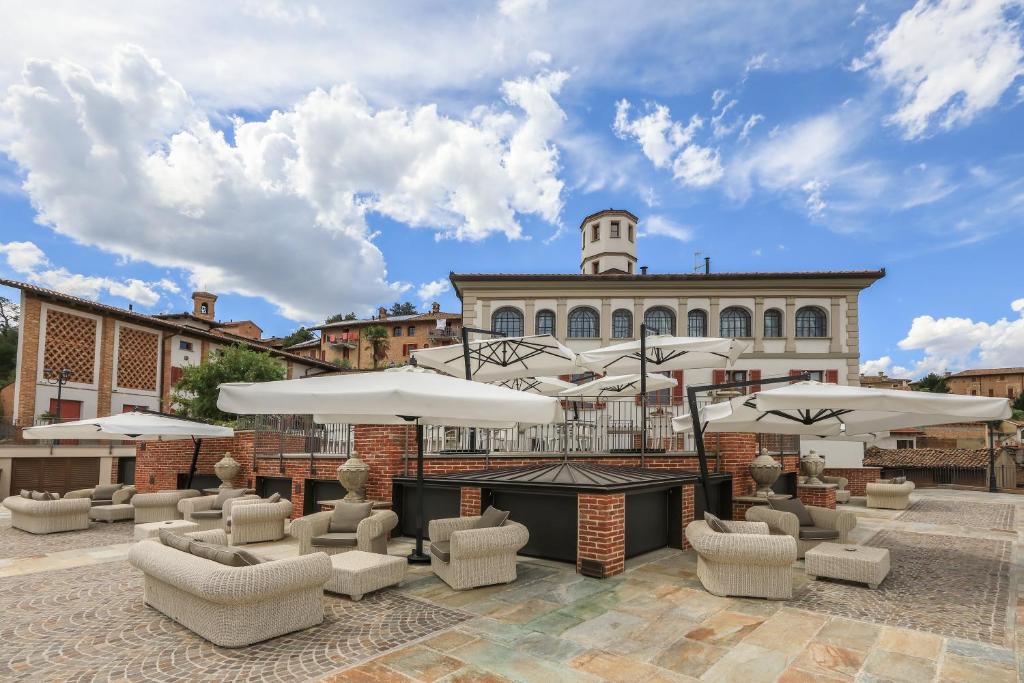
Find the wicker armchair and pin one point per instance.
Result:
(99, 495)
(371, 536)
(842, 495)
(256, 520)
(232, 606)
(48, 516)
(786, 523)
(199, 510)
(475, 557)
(748, 562)
(160, 506)
(882, 494)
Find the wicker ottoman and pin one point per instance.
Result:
(843, 496)
(835, 561)
(356, 573)
(152, 529)
(112, 513)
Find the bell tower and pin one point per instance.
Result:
(608, 243)
(202, 305)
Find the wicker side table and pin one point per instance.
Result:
(862, 564)
(356, 573)
(152, 529)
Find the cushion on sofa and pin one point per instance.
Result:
(794, 505)
(491, 518)
(899, 480)
(26, 494)
(223, 554)
(224, 495)
(274, 498)
(207, 514)
(44, 495)
(173, 540)
(715, 524)
(337, 539)
(817, 533)
(105, 492)
(442, 550)
(347, 516)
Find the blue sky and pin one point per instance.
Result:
(304, 159)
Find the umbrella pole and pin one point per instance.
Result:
(698, 440)
(992, 487)
(643, 394)
(195, 461)
(417, 556)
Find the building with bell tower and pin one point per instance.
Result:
(608, 243)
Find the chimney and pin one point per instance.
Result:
(382, 313)
(707, 265)
(643, 270)
(435, 307)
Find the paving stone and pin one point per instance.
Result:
(787, 631)
(958, 668)
(899, 667)
(619, 669)
(725, 628)
(913, 643)
(747, 664)
(421, 663)
(960, 513)
(18, 543)
(829, 659)
(853, 635)
(690, 657)
(603, 629)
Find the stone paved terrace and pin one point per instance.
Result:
(948, 612)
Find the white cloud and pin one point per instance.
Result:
(716, 98)
(429, 291)
(718, 127)
(755, 63)
(665, 227)
(129, 164)
(697, 166)
(949, 60)
(953, 343)
(29, 261)
(874, 367)
(815, 201)
(749, 124)
(668, 143)
(519, 9)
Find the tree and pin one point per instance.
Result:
(343, 363)
(9, 315)
(339, 317)
(408, 308)
(1018, 407)
(297, 337)
(196, 393)
(936, 384)
(377, 337)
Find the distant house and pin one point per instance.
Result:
(944, 466)
(1004, 382)
(883, 381)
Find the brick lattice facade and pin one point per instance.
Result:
(137, 359)
(819, 496)
(71, 343)
(601, 532)
(858, 476)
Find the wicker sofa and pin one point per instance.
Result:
(842, 494)
(884, 494)
(48, 516)
(474, 557)
(232, 606)
(112, 494)
(159, 506)
(787, 523)
(200, 510)
(254, 521)
(370, 536)
(749, 562)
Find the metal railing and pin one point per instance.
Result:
(297, 434)
(444, 333)
(1007, 476)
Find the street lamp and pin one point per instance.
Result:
(59, 378)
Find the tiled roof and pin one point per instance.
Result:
(673, 276)
(926, 457)
(440, 315)
(984, 372)
(304, 345)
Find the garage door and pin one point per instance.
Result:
(57, 475)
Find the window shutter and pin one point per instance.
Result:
(795, 373)
(175, 375)
(718, 376)
(832, 377)
(754, 375)
(677, 390)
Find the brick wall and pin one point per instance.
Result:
(858, 476)
(736, 452)
(819, 496)
(104, 393)
(469, 501)
(383, 448)
(601, 534)
(739, 510)
(688, 510)
(157, 463)
(29, 340)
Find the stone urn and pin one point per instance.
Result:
(812, 465)
(764, 470)
(226, 469)
(353, 474)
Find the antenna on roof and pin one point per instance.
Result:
(698, 261)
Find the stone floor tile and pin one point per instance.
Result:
(787, 631)
(514, 665)
(899, 667)
(494, 631)
(725, 628)
(796, 675)
(472, 674)
(689, 657)
(522, 612)
(421, 663)
(997, 655)
(698, 605)
(747, 664)
(913, 643)
(371, 672)
(853, 635)
(547, 647)
(829, 659)
(619, 669)
(449, 640)
(967, 670)
(553, 623)
(604, 629)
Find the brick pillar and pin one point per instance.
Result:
(469, 501)
(383, 448)
(687, 511)
(736, 452)
(29, 329)
(739, 510)
(820, 495)
(106, 386)
(601, 531)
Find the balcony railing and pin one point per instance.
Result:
(278, 435)
(444, 333)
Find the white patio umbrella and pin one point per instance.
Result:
(141, 425)
(407, 368)
(740, 414)
(545, 386)
(620, 385)
(502, 358)
(393, 398)
(664, 352)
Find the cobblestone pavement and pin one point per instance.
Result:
(952, 587)
(960, 513)
(18, 543)
(91, 624)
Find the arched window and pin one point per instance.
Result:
(735, 322)
(545, 322)
(622, 324)
(507, 321)
(204, 308)
(583, 323)
(660, 320)
(772, 323)
(811, 322)
(697, 323)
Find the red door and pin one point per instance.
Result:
(69, 410)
